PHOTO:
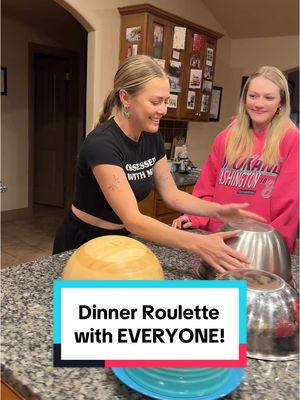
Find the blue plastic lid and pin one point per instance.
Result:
(182, 383)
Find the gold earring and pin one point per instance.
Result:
(126, 112)
(278, 110)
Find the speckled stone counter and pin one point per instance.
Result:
(186, 179)
(27, 341)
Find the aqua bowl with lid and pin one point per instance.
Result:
(182, 383)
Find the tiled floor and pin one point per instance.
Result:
(29, 239)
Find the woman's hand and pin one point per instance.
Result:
(217, 253)
(182, 222)
(231, 212)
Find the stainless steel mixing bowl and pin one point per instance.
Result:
(273, 315)
(265, 247)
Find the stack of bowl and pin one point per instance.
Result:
(182, 383)
(273, 315)
(122, 258)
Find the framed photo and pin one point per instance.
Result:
(133, 34)
(209, 56)
(215, 105)
(198, 41)
(195, 78)
(195, 61)
(172, 103)
(208, 72)
(207, 86)
(158, 38)
(204, 103)
(174, 68)
(190, 104)
(174, 84)
(3, 81)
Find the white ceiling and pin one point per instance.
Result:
(256, 18)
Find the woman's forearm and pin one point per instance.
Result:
(189, 204)
(211, 248)
(151, 229)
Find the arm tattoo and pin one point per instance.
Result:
(164, 177)
(176, 204)
(115, 184)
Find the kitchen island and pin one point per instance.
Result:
(27, 340)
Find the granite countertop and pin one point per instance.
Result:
(27, 341)
(189, 178)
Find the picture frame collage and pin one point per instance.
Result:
(201, 74)
(174, 70)
(133, 37)
(199, 88)
(200, 79)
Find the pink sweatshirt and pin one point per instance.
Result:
(272, 192)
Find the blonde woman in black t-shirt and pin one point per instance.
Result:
(121, 160)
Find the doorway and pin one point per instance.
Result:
(293, 82)
(50, 126)
(54, 128)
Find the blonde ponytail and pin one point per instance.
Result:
(108, 107)
(133, 73)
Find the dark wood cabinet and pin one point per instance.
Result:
(190, 70)
(153, 206)
(8, 393)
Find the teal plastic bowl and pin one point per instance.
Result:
(182, 383)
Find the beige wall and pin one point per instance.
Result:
(16, 34)
(201, 134)
(247, 55)
(103, 53)
(101, 18)
(237, 58)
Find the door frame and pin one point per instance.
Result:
(75, 89)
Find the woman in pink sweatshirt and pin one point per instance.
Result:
(255, 159)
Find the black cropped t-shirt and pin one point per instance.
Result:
(108, 144)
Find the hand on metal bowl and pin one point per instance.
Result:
(236, 211)
(214, 251)
(261, 243)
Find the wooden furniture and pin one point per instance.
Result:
(153, 206)
(8, 393)
(146, 29)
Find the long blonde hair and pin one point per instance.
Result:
(240, 138)
(131, 76)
